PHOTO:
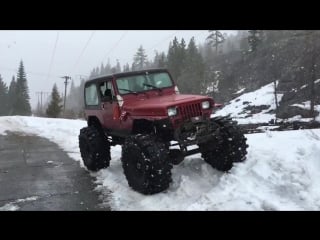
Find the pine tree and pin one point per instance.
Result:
(107, 68)
(12, 95)
(113, 70)
(3, 98)
(133, 67)
(310, 41)
(80, 95)
(159, 60)
(192, 74)
(254, 38)
(243, 41)
(97, 72)
(126, 68)
(55, 107)
(182, 51)
(91, 74)
(176, 58)
(101, 69)
(118, 67)
(140, 59)
(71, 98)
(21, 105)
(215, 39)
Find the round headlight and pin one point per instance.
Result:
(205, 105)
(172, 111)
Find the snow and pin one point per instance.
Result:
(240, 91)
(9, 207)
(306, 105)
(12, 206)
(304, 86)
(262, 96)
(282, 172)
(298, 118)
(213, 87)
(267, 127)
(27, 199)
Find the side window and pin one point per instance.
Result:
(106, 91)
(91, 95)
(110, 86)
(102, 88)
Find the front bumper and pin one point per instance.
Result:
(195, 131)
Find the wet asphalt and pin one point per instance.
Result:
(36, 175)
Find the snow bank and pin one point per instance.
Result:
(272, 178)
(262, 96)
(306, 105)
(12, 206)
(282, 172)
(9, 207)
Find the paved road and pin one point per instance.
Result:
(36, 175)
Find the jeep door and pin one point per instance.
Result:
(109, 105)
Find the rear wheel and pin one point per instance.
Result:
(146, 164)
(94, 148)
(227, 146)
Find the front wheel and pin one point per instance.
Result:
(227, 145)
(94, 148)
(146, 164)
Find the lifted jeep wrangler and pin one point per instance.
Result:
(144, 112)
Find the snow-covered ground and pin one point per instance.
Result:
(306, 105)
(263, 96)
(12, 205)
(282, 172)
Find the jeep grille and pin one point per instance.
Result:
(190, 110)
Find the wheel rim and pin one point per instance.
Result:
(137, 167)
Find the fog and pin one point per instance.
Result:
(49, 54)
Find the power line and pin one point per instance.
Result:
(84, 48)
(114, 46)
(163, 40)
(53, 54)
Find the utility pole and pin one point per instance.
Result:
(41, 94)
(65, 91)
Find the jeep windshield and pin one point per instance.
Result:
(143, 82)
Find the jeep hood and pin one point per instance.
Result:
(157, 106)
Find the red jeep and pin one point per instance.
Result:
(144, 112)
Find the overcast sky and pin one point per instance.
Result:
(48, 55)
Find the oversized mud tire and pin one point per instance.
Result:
(94, 148)
(146, 164)
(227, 146)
